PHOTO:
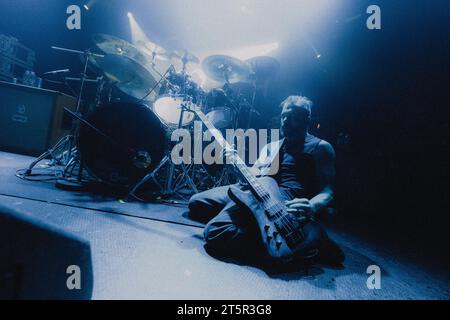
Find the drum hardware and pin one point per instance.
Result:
(131, 69)
(154, 51)
(167, 108)
(172, 187)
(99, 79)
(128, 75)
(67, 143)
(98, 131)
(177, 89)
(141, 159)
(185, 57)
(220, 109)
(98, 92)
(161, 80)
(252, 110)
(226, 69)
(100, 86)
(240, 102)
(117, 153)
(111, 45)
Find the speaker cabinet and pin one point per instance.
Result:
(37, 260)
(32, 119)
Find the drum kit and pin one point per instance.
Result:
(124, 141)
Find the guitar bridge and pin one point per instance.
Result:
(290, 230)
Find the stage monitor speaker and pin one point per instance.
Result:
(38, 261)
(32, 119)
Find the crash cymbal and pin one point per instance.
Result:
(127, 74)
(263, 67)
(116, 46)
(226, 69)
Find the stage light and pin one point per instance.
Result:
(236, 23)
(88, 6)
(137, 34)
(139, 38)
(318, 56)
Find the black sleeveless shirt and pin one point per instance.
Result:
(297, 171)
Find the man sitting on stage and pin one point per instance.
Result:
(305, 176)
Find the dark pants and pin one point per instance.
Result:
(230, 230)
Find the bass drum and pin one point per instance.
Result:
(129, 142)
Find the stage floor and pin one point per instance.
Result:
(152, 251)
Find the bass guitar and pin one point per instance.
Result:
(284, 234)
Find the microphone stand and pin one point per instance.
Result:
(68, 141)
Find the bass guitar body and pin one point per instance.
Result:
(284, 235)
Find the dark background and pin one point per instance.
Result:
(387, 89)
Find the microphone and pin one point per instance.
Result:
(58, 71)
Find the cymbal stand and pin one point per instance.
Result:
(67, 142)
(171, 187)
(252, 107)
(162, 79)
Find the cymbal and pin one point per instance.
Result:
(127, 75)
(153, 50)
(263, 67)
(186, 56)
(225, 68)
(116, 46)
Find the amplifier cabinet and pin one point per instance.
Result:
(32, 119)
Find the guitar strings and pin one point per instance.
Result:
(263, 194)
(287, 223)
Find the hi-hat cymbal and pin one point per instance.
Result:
(116, 46)
(263, 67)
(127, 75)
(225, 68)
